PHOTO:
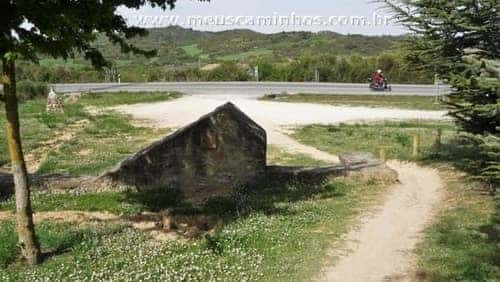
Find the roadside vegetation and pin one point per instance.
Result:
(374, 101)
(286, 56)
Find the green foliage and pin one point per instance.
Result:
(192, 50)
(464, 243)
(228, 71)
(476, 154)
(382, 101)
(292, 56)
(116, 203)
(395, 137)
(47, 37)
(459, 40)
(55, 238)
(27, 90)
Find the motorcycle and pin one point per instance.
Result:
(380, 86)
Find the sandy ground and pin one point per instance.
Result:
(382, 248)
(273, 116)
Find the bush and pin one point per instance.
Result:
(478, 155)
(28, 90)
(228, 72)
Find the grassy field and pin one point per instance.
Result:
(375, 100)
(245, 55)
(395, 137)
(279, 157)
(192, 50)
(463, 244)
(278, 233)
(89, 151)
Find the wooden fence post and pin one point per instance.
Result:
(416, 145)
(439, 136)
(383, 154)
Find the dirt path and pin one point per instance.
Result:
(382, 248)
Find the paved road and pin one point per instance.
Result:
(249, 88)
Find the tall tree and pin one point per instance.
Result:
(62, 29)
(460, 41)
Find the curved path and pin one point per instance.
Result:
(382, 248)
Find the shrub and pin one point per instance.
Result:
(28, 90)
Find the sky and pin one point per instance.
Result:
(270, 16)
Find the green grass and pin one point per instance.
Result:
(462, 245)
(245, 55)
(277, 156)
(270, 233)
(108, 139)
(127, 98)
(57, 239)
(113, 202)
(192, 50)
(277, 233)
(375, 100)
(395, 137)
(37, 126)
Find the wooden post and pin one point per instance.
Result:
(416, 145)
(438, 143)
(383, 154)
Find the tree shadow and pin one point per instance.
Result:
(288, 185)
(466, 155)
(6, 185)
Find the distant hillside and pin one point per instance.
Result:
(178, 45)
(190, 55)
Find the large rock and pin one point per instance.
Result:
(222, 150)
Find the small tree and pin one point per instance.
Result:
(60, 29)
(460, 41)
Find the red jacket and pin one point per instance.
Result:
(378, 77)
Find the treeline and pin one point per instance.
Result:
(353, 69)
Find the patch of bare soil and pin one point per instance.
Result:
(162, 226)
(382, 248)
(35, 158)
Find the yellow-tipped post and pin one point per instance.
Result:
(383, 154)
(416, 145)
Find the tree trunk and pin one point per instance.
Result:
(30, 247)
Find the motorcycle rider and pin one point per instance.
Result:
(378, 78)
